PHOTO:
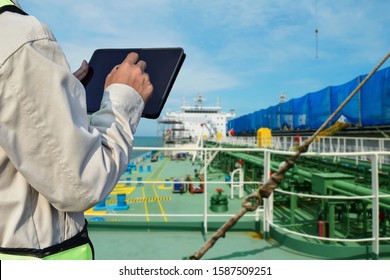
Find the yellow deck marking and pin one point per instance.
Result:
(155, 192)
(113, 201)
(91, 211)
(163, 187)
(122, 190)
(159, 204)
(148, 199)
(145, 205)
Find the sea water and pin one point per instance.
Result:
(145, 141)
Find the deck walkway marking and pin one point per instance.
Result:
(159, 171)
(146, 199)
(93, 212)
(145, 205)
(159, 203)
(119, 189)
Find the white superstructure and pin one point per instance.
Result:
(193, 123)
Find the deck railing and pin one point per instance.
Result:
(374, 197)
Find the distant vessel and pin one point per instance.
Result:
(193, 124)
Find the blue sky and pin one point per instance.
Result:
(245, 52)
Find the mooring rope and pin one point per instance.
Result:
(252, 202)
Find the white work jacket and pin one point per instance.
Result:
(55, 162)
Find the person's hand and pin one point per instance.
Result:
(82, 71)
(132, 72)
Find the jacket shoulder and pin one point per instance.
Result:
(17, 30)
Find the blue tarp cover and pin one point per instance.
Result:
(370, 106)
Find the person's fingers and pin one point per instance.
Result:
(113, 70)
(148, 90)
(132, 72)
(148, 83)
(131, 58)
(82, 71)
(142, 64)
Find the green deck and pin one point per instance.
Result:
(157, 244)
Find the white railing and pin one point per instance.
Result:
(267, 210)
(326, 144)
(323, 144)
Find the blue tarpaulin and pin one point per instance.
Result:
(370, 106)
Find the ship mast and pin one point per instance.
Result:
(199, 101)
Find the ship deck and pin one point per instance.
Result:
(162, 244)
(147, 218)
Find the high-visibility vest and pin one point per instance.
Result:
(8, 5)
(78, 247)
(6, 2)
(82, 252)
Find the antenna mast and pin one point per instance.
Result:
(316, 26)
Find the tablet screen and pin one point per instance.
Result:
(163, 66)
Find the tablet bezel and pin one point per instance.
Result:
(163, 66)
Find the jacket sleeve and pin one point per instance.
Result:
(72, 160)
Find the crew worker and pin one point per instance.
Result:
(55, 162)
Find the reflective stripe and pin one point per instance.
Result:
(6, 2)
(82, 252)
(16, 257)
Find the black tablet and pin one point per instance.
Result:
(163, 66)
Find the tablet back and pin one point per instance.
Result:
(163, 66)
